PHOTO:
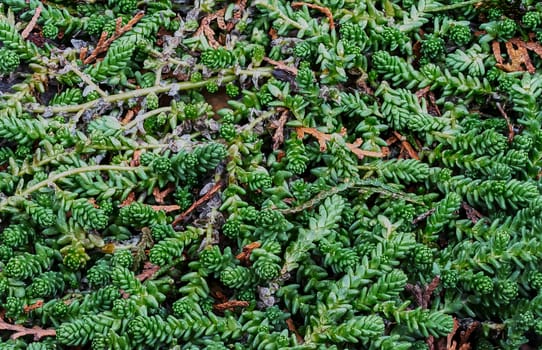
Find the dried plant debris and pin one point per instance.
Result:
(266, 174)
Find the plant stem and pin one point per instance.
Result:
(144, 116)
(452, 6)
(85, 78)
(131, 94)
(64, 174)
(75, 171)
(230, 76)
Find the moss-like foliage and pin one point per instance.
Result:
(268, 174)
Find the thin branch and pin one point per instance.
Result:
(407, 146)
(166, 208)
(21, 331)
(472, 214)
(197, 203)
(85, 78)
(281, 65)
(230, 305)
(131, 94)
(149, 270)
(324, 10)
(30, 26)
(508, 123)
(428, 291)
(291, 327)
(353, 147)
(423, 216)
(103, 43)
(244, 256)
(159, 196)
(52, 179)
(36, 305)
(278, 136)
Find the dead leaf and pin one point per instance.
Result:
(129, 200)
(518, 53)
(230, 305)
(324, 10)
(149, 270)
(159, 196)
(135, 158)
(36, 305)
(353, 147)
(244, 256)
(278, 125)
(166, 208)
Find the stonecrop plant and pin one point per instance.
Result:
(266, 174)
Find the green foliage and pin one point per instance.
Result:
(460, 34)
(14, 44)
(219, 58)
(50, 31)
(256, 176)
(432, 48)
(9, 61)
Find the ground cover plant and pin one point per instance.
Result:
(264, 174)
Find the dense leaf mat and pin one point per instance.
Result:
(264, 174)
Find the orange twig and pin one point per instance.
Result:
(129, 200)
(244, 256)
(148, 271)
(166, 208)
(218, 294)
(83, 53)
(324, 10)
(508, 123)
(496, 46)
(278, 125)
(21, 331)
(135, 158)
(230, 305)
(291, 328)
(219, 16)
(197, 203)
(36, 305)
(407, 146)
(128, 117)
(103, 43)
(353, 147)
(160, 196)
(30, 26)
(205, 28)
(281, 65)
(518, 54)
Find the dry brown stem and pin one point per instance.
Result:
(324, 10)
(230, 305)
(21, 331)
(159, 196)
(36, 305)
(104, 42)
(353, 147)
(291, 327)
(244, 256)
(280, 65)
(166, 208)
(518, 53)
(30, 26)
(149, 270)
(406, 146)
(197, 203)
(508, 123)
(278, 125)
